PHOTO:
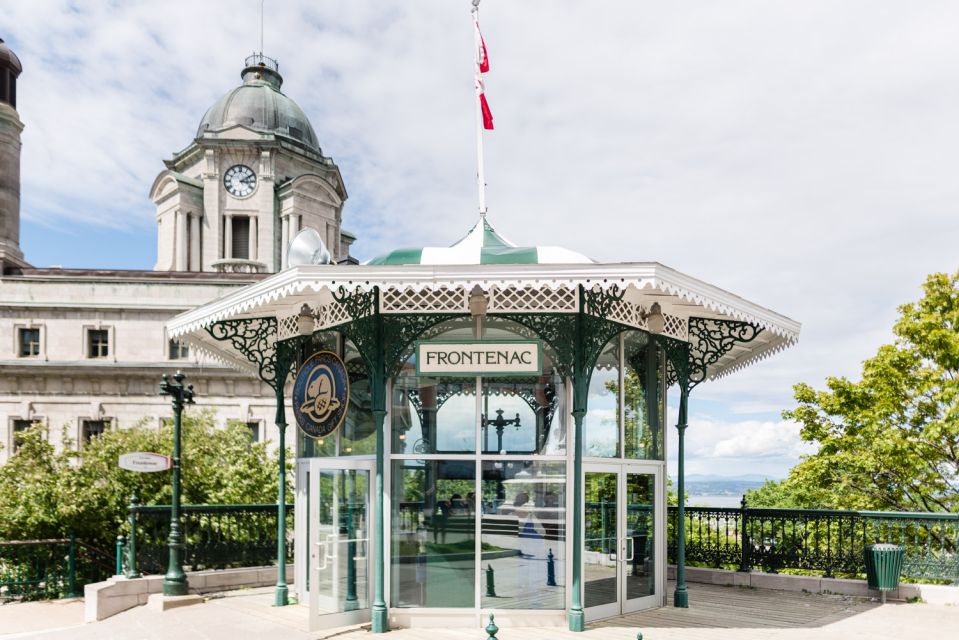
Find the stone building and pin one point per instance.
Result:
(82, 351)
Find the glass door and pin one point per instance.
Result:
(623, 519)
(339, 536)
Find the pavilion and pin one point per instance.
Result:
(533, 487)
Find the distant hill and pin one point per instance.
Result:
(746, 477)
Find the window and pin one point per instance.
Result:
(93, 429)
(179, 350)
(98, 343)
(241, 238)
(29, 342)
(19, 426)
(254, 427)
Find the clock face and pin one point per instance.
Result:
(240, 180)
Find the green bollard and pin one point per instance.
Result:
(550, 569)
(490, 584)
(491, 628)
(120, 542)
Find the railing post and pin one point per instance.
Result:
(132, 571)
(745, 562)
(72, 567)
(550, 569)
(120, 542)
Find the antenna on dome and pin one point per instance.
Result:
(261, 26)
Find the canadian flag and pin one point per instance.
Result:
(482, 66)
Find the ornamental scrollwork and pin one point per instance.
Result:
(255, 338)
(558, 330)
(709, 340)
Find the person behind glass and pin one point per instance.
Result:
(441, 520)
(471, 503)
(529, 530)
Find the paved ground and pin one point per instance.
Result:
(715, 613)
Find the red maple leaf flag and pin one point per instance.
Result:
(482, 66)
(481, 58)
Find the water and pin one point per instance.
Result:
(714, 501)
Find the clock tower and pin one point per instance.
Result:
(10, 127)
(251, 179)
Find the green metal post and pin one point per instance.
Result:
(72, 567)
(282, 592)
(132, 571)
(120, 542)
(680, 595)
(175, 581)
(380, 622)
(576, 618)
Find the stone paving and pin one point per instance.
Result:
(716, 612)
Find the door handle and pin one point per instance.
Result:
(629, 549)
(323, 547)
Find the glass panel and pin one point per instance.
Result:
(640, 535)
(599, 559)
(601, 423)
(358, 432)
(433, 533)
(432, 415)
(643, 420)
(524, 416)
(524, 519)
(343, 537)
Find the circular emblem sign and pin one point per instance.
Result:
(321, 394)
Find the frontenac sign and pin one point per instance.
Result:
(321, 394)
(478, 357)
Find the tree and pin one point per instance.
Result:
(890, 440)
(45, 493)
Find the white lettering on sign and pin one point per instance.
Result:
(144, 462)
(470, 358)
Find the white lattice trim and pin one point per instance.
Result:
(287, 327)
(412, 300)
(330, 315)
(532, 299)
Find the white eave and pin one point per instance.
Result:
(282, 295)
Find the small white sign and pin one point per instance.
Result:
(477, 357)
(144, 462)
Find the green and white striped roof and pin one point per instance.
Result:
(482, 245)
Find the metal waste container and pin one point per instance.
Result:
(883, 565)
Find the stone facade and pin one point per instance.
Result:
(83, 350)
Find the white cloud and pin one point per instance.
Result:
(800, 155)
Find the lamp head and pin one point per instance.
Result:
(305, 321)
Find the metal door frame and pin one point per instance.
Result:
(319, 620)
(622, 605)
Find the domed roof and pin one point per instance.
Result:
(9, 59)
(482, 245)
(259, 104)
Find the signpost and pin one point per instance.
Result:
(144, 462)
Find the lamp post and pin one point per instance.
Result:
(175, 581)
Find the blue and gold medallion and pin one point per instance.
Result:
(321, 394)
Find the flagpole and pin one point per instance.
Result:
(477, 79)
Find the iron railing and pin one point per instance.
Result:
(819, 541)
(216, 536)
(50, 568)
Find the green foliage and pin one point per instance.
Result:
(891, 440)
(45, 493)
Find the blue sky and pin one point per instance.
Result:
(802, 155)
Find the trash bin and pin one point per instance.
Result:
(883, 565)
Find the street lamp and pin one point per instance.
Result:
(175, 581)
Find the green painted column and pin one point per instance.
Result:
(576, 617)
(380, 621)
(282, 592)
(680, 595)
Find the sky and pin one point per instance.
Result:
(801, 155)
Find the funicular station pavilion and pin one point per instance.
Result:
(502, 446)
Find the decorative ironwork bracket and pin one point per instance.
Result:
(709, 340)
